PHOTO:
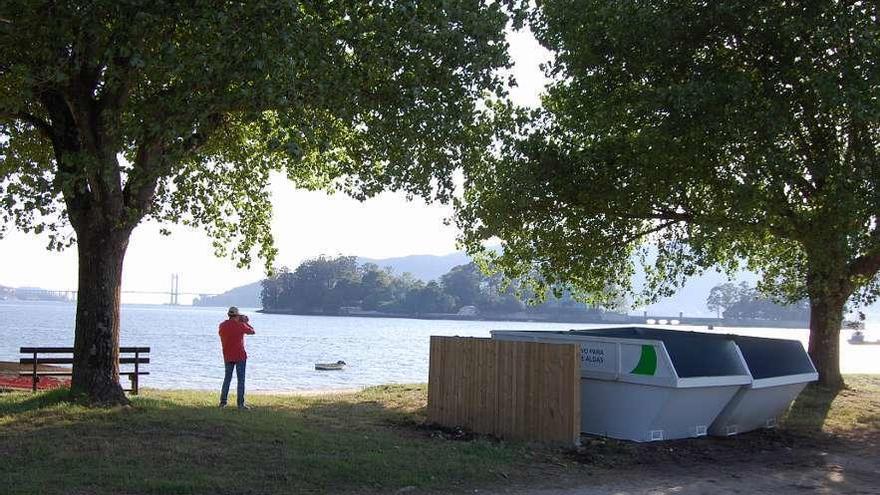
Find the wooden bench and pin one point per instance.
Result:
(35, 361)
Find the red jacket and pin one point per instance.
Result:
(232, 334)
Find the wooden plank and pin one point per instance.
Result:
(45, 350)
(141, 360)
(60, 350)
(134, 349)
(69, 373)
(433, 380)
(31, 360)
(516, 390)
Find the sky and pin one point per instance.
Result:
(305, 224)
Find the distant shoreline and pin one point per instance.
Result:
(617, 320)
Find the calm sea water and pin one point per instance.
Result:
(281, 356)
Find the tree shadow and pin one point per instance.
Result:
(35, 401)
(180, 443)
(811, 408)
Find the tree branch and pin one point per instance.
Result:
(76, 194)
(155, 160)
(868, 264)
(40, 124)
(647, 232)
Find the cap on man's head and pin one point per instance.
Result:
(233, 311)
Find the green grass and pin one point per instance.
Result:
(371, 441)
(853, 411)
(179, 442)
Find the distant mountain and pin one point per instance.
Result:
(423, 266)
(246, 296)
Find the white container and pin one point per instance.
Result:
(647, 384)
(780, 370)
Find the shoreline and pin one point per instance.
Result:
(629, 320)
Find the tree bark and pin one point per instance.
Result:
(826, 317)
(96, 346)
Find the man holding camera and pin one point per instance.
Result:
(232, 332)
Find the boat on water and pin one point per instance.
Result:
(338, 365)
(858, 338)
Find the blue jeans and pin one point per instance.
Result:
(227, 379)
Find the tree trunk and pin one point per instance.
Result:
(96, 346)
(826, 316)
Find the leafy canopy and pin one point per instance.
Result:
(715, 131)
(178, 111)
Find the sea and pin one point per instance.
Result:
(185, 349)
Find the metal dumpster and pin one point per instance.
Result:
(780, 370)
(647, 384)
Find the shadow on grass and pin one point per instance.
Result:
(33, 402)
(810, 410)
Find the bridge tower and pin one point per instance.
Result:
(175, 289)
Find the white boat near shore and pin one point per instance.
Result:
(337, 366)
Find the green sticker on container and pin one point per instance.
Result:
(647, 362)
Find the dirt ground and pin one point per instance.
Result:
(765, 462)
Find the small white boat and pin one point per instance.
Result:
(338, 365)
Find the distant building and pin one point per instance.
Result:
(467, 311)
(6, 293)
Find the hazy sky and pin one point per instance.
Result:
(305, 224)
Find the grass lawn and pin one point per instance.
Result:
(372, 441)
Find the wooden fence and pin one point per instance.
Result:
(517, 390)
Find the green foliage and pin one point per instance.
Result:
(723, 296)
(714, 131)
(744, 301)
(339, 285)
(112, 112)
(464, 281)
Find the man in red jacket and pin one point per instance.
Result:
(232, 332)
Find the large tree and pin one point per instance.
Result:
(117, 111)
(714, 131)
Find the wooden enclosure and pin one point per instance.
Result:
(516, 390)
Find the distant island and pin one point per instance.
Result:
(689, 300)
(420, 266)
(341, 286)
(397, 287)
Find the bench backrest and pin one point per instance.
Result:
(36, 360)
(36, 351)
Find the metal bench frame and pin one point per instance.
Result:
(35, 361)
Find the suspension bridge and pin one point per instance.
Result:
(174, 293)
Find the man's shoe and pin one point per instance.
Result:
(244, 407)
(223, 405)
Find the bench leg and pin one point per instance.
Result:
(34, 377)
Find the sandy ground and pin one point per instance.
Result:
(842, 466)
(842, 475)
